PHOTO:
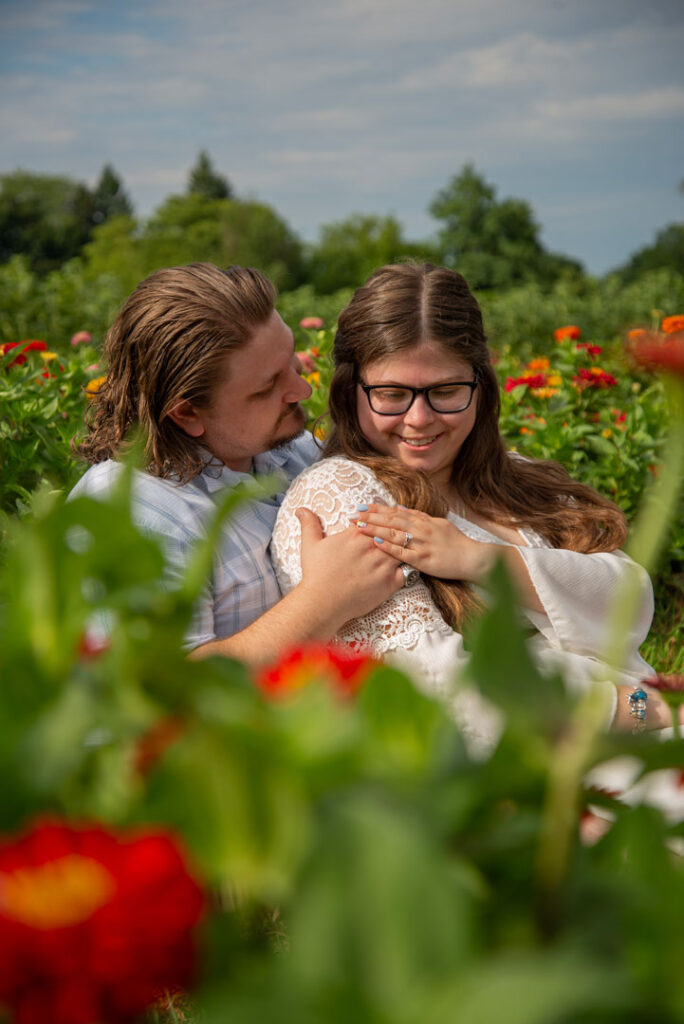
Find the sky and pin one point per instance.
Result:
(326, 108)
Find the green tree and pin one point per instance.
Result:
(46, 218)
(666, 252)
(349, 250)
(204, 181)
(110, 199)
(493, 242)
(192, 228)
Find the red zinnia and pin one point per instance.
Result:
(94, 925)
(569, 331)
(344, 670)
(595, 377)
(531, 380)
(26, 346)
(311, 323)
(658, 351)
(591, 350)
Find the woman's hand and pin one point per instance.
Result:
(431, 544)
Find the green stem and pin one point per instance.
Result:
(571, 756)
(651, 526)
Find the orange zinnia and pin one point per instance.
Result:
(569, 331)
(672, 323)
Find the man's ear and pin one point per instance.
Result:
(185, 416)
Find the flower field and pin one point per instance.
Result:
(316, 842)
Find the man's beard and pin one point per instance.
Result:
(280, 442)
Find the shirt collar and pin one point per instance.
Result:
(216, 477)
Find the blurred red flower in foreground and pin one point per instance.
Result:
(340, 667)
(94, 925)
(658, 351)
(313, 323)
(26, 346)
(569, 331)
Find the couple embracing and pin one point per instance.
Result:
(383, 540)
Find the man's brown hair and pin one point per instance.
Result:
(167, 344)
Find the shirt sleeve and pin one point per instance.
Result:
(578, 590)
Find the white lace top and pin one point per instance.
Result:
(575, 590)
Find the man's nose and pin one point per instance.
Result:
(299, 388)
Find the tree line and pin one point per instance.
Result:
(493, 241)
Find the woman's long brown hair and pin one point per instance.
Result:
(400, 307)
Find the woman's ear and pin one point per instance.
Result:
(185, 416)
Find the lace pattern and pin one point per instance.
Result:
(332, 489)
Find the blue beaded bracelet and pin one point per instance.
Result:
(638, 701)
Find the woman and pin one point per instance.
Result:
(416, 459)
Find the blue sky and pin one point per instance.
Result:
(324, 108)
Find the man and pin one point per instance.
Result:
(202, 362)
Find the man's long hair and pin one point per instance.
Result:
(169, 342)
(400, 307)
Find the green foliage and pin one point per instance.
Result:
(348, 251)
(204, 181)
(43, 404)
(666, 251)
(408, 875)
(48, 218)
(45, 217)
(190, 229)
(524, 318)
(493, 243)
(109, 197)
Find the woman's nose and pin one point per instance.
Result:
(419, 412)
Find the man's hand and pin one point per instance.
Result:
(345, 574)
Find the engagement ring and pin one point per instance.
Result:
(407, 539)
(410, 575)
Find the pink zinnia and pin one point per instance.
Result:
(81, 338)
(313, 323)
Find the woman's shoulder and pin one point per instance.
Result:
(337, 475)
(336, 467)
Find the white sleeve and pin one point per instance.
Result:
(577, 591)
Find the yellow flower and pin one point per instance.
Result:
(313, 378)
(94, 385)
(47, 357)
(607, 433)
(544, 392)
(554, 380)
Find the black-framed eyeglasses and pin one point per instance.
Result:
(395, 400)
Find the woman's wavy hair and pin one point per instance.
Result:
(168, 343)
(400, 307)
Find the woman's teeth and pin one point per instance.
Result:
(418, 442)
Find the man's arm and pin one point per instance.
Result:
(327, 597)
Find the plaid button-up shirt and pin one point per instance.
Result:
(242, 584)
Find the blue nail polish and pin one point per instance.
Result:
(362, 508)
(378, 540)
